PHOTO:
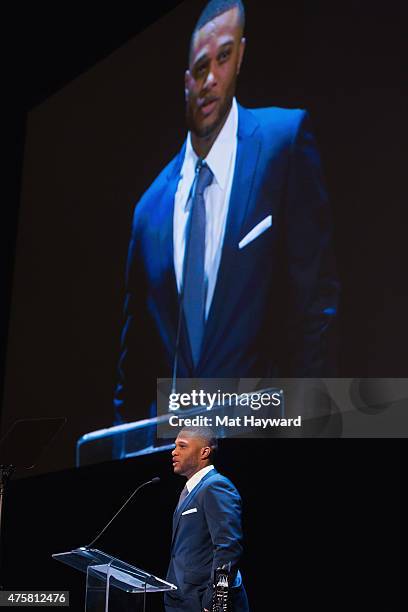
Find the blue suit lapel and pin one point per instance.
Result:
(248, 149)
(178, 512)
(166, 207)
(166, 250)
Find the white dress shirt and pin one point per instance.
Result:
(195, 479)
(221, 161)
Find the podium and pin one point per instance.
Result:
(104, 573)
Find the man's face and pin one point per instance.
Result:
(189, 455)
(216, 55)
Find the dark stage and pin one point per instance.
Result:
(321, 517)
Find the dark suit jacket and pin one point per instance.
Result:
(204, 540)
(274, 299)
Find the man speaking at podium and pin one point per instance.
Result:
(207, 531)
(230, 269)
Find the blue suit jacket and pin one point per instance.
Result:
(203, 540)
(274, 299)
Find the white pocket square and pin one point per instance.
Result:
(189, 511)
(256, 231)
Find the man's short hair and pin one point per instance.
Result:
(206, 434)
(213, 9)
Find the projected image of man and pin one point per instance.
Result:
(230, 270)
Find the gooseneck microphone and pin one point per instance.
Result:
(154, 480)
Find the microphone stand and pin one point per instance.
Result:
(155, 480)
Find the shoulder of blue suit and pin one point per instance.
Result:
(274, 124)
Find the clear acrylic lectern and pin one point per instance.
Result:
(104, 573)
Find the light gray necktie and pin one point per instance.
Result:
(194, 281)
(182, 497)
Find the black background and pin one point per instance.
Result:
(327, 517)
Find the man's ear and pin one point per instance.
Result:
(241, 52)
(187, 80)
(205, 452)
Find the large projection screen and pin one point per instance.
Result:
(94, 147)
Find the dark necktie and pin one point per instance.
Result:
(194, 281)
(182, 497)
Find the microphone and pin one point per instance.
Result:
(154, 480)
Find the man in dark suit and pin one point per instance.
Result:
(238, 280)
(207, 531)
